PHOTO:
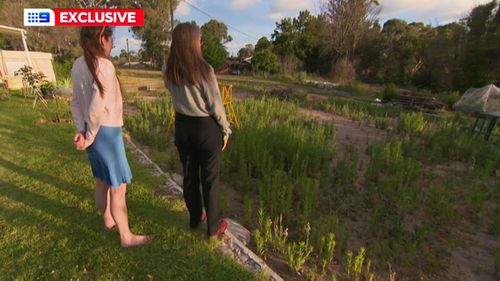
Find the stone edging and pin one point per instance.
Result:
(234, 244)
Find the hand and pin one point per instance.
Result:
(79, 140)
(225, 143)
(85, 145)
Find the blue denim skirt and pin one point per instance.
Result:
(107, 157)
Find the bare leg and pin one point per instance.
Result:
(120, 215)
(102, 201)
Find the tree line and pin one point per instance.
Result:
(346, 42)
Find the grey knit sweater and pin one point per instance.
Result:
(200, 101)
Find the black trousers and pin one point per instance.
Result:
(199, 142)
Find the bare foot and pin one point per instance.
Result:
(136, 240)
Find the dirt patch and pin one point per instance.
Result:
(475, 259)
(349, 133)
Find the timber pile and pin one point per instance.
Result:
(416, 102)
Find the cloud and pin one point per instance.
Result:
(282, 8)
(133, 44)
(183, 9)
(428, 10)
(238, 5)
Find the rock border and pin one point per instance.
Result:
(234, 244)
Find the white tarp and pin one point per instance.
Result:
(486, 99)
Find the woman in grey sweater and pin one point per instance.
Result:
(201, 127)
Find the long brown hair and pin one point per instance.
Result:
(90, 40)
(185, 63)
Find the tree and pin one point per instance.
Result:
(263, 44)
(218, 30)
(214, 52)
(349, 20)
(246, 52)
(214, 35)
(155, 34)
(482, 63)
(265, 60)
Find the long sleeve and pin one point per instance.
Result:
(215, 104)
(76, 111)
(98, 111)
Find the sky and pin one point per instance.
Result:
(251, 19)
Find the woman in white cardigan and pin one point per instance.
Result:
(97, 109)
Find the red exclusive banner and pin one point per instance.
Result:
(99, 17)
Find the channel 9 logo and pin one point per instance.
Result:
(39, 17)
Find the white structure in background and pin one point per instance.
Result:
(11, 61)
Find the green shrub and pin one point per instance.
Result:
(62, 66)
(389, 92)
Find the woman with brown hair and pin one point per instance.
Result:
(97, 110)
(201, 126)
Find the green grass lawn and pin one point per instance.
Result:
(50, 228)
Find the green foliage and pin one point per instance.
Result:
(265, 60)
(49, 219)
(263, 44)
(214, 52)
(412, 124)
(246, 52)
(298, 253)
(150, 125)
(273, 150)
(33, 83)
(154, 32)
(355, 266)
(217, 30)
(326, 250)
(389, 92)
(263, 234)
(62, 66)
(215, 35)
(280, 236)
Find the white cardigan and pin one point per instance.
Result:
(87, 105)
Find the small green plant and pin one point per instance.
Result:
(248, 204)
(32, 84)
(280, 235)
(355, 266)
(382, 123)
(65, 82)
(298, 253)
(263, 235)
(389, 92)
(326, 250)
(412, 124)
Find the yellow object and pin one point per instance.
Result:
(227, 99)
